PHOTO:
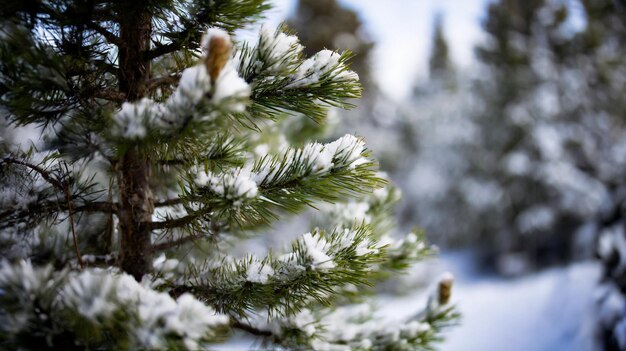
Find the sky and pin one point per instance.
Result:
(401, 30)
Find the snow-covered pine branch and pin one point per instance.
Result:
(282, 80)
(100, 309)
(317, 264)
(205, 91)
(374, 209)
(299, 177)
(272, 74)
(359, 326)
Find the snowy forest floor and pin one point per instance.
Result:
(551, 310)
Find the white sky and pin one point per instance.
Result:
(402, 29)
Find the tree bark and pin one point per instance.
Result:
(136, 201)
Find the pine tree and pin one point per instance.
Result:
(158, 159)
(439, 64)
(602, 45)
(507, 160)
(434, 125)
(550, 127)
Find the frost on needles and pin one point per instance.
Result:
(161, 153)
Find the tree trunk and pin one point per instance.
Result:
(136, 203)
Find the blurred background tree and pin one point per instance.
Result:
(521, 219)
(440, 66)
(550, 123)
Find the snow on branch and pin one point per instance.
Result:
(205, 89)
(314, 159)
(374, 209)
(289, 181)
(39, 186)
(324, 65)
(282, 80)
(316, 266)
(272, 73)
(358, 326)
(275, 53)
(94, 304)
(235, 185)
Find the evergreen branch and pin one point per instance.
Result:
(68, 200)
(283, 81)
(323, 327)
(250, 329)
(44, 174)
(173, 243)
(45, 78)
(190, 111)
(178, 222)
(99, 309)
(164, 49)
(318, 264)
(157, 83)
(223, 151)
(229, 15)
(169, 202)
(110, 95)
(98, 206)
(110, 37)
(253, 195)
(374, 209)
(51, 208)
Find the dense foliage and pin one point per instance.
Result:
(160, 150)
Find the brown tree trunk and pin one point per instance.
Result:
(136, 203)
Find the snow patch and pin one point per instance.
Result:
(316, 250)
(323, 64)
(258, 272)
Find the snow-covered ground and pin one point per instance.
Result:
(547, 311)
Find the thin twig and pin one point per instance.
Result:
(98, 206)
(156, 83)
(51, 207)
(110, 37)
(110, 95)
(68, 198)
(109, 228)
(250, 329)
(178, 222)
(162, 49)
(168, 202)
(45, 174)
(173, 243)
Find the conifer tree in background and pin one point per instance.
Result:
(515, 114)
(440, 65)
(433, 125)
(552, 137)
(546, 114)
(507, 57)
(602, 44)
(117, 230)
